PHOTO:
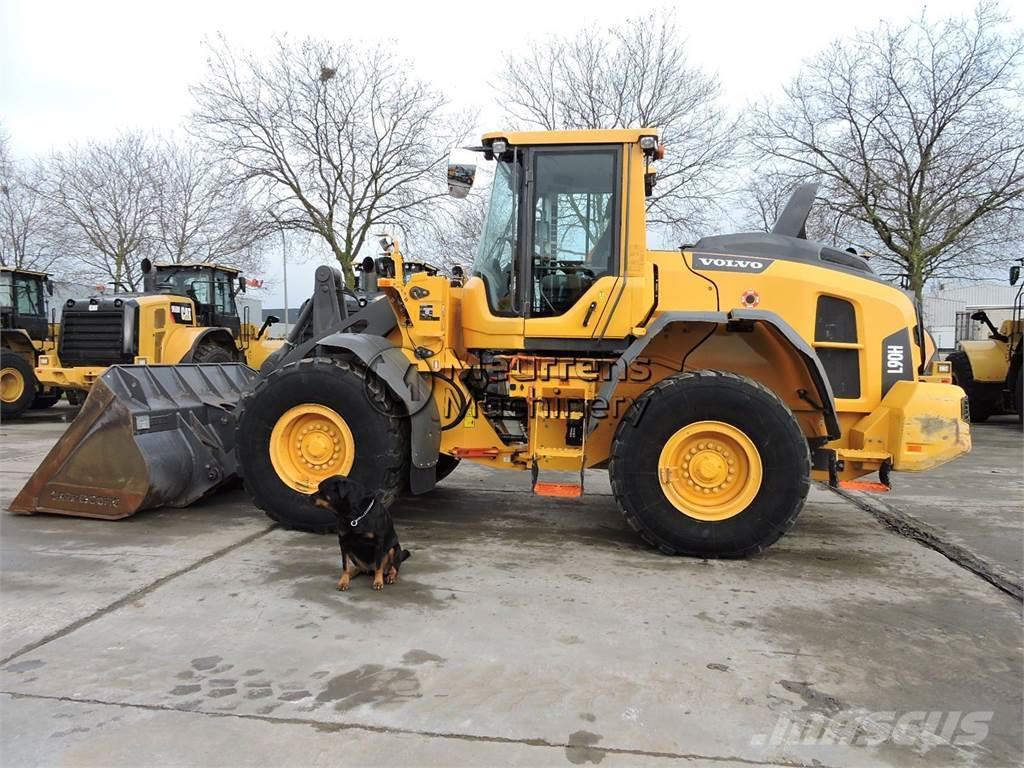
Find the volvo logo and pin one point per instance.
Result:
(731, 263)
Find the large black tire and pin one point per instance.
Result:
(982, 405)
(19, 384)
(45, 401)
(211, 352)
(741, 403)
(370, 411)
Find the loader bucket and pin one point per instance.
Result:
(147, 436)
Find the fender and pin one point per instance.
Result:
(206, 334)
(18, 340)
(389, 363)
(815, 370)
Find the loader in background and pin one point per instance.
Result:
(26, 332)
(187, 313)
(713, 382)
(990, 370)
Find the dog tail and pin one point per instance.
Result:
(406, 554)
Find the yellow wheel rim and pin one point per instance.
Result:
(310, 443)
(12, 385)
(710, 470)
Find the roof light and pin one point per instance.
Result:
(498, 146)
(648, 143)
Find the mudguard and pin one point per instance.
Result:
(811, 361)
(411, 387)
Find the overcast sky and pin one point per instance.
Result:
(74, 71)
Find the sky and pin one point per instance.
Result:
(73, 71)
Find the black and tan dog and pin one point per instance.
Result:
(366, 533)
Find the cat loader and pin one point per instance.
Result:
(25, 333)
(187, 313)
(712, 382)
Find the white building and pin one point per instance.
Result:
(941, 307)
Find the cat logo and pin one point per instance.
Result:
(182, 313)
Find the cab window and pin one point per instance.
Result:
(28, 293)
(575, 226)
(225, 303)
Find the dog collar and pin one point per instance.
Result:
(355, 522)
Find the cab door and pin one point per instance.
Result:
(573, 266)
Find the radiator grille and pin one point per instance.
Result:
(92, 338)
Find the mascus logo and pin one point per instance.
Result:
(731, 264)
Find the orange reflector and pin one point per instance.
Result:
(561, 490)
(863, 485)
(470, 453)
(915, 447)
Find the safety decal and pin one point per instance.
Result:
(750, 299)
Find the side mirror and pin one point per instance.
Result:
(460, 178)
(49, 286)
(368, 265)
(1014, 274)
(979, 316)
(147, 266)
(241, 284)
(271, 319)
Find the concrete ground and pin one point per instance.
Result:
(979, 506)
(523, 631)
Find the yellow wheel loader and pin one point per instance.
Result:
(25, 333)
(713, 382)
(990, 370)
(187, 313)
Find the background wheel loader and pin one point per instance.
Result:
(713, 382)
(187, 313)
(990, 370)
(25, 333)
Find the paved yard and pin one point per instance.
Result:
(524, 631)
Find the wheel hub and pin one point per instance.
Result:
(710, 470)
(310, 443)
(12, 385)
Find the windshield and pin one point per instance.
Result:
(494, 262)
(205, 287)
(23, 293)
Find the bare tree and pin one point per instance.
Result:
(917, 134)
(203, 212)
(635, 74)
(29, 237)
(340, 138)
(107, 193)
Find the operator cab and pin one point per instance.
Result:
(552, 226)
(211, 288)
(23, 302)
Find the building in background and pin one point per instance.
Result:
(941, 308)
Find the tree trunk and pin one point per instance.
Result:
(345, 261)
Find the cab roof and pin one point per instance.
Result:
(197, 265)
(21, 271)
(615, 136)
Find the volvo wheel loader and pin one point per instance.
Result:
(187, 313)
(25, 333)
(712, 382)
(990, 370)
